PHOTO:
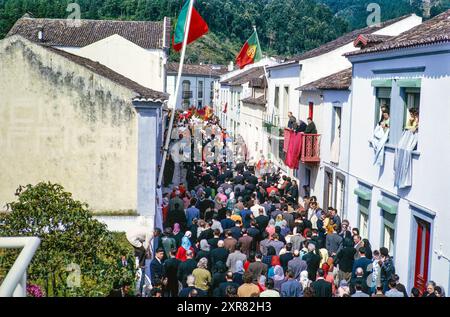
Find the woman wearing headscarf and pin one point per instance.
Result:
(238, 276)
(177, 234)
(278, 277)
(284, 228)
(270, 229)
(304, 280)
(202, 276)
(275, 262)
(185, 246)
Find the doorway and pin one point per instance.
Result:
(422, 254)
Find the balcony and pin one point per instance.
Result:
(186, 95)
(310, 153)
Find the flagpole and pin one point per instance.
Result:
(264, 66)
(173, 99)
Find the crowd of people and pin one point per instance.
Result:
(229, 233)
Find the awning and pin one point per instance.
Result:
(387, 206)
(382, 83)
(409, 83)
(363, 193)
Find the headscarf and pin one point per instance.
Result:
(176, 228)
(272, 222)
(325, 268)
(204, 246)
(186, 243)
(275, 261)
(203, 263)
(278, 273)
(239, 267)
(304, 280)
(188, 234)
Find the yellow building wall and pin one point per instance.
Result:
(60, 122)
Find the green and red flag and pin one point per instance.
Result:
(198, 27)
(250, 52)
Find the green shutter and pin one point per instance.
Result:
(363, 193)
(364, 205)
(383, 92)
(382, 83)
(409, 83)
(387, 206)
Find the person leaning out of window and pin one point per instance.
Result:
(412, 124)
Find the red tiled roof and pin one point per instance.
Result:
(338, 81)
(198, 70)
(62, 32)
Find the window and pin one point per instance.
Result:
(328, 189)
(363, 224)
(285, 105)
(339, 193)
(200, 89)
(200, 104)
(412, 103)
(383, 103)
(277, 97)
(211, 93)
(389, 211)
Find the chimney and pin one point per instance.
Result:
(231, 66)
(41, 34)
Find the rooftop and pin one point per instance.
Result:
(338, 81)
(260, 101)
(345, 39)
(245, 76)
(63, 32)
(198, 70)
(436, 30)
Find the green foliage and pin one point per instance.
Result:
(68, 235)
(286, 27)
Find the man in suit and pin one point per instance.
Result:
(218, 254)
(171, 272)
(312, 260)
(156, 267)
(246, 242)
(359, 290)
(321, 287)
(291, 288)
(359, 279)
(220, 291)
(236, 230)
(227, 223)
(363, 262)
(262, 220)
(185, 268)
(286, 257)
(257, 268)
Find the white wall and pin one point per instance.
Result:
(146, 67)
(194, 80)
(430, 169)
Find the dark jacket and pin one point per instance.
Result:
(171, 272)
(345, 258)
(220, 291)
(227, 223)
(218, 254)
(311, 128)
(313, 262)
(236, 232)
(156, 271)
(284, 259)
(187, 290)
(322, 288)
(185, 269)
(262, 222)
(363, 263)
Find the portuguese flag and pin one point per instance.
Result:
(250, 52)
(197, 29)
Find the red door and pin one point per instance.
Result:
(311, 110)
(422, 255)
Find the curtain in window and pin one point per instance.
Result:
(403, 159)
(378, 141)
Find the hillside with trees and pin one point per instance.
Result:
(285, 27)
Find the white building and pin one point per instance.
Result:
(302, 70)
(198, 84)
(407, 71)
(137, 50)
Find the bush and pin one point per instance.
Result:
(71, 241)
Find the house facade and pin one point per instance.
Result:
(301, 70)
(69, 120)
(138, 50)
(410, 71)
(198, 84)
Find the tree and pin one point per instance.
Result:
(70, 239)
